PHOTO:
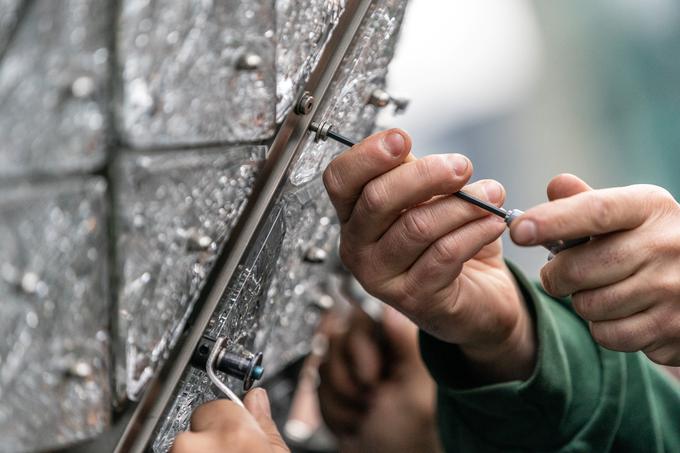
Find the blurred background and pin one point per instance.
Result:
(530, 89)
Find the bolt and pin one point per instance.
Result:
(315, 255)
(379, 98)
(249, 61)
(244, 366)
(304, 104)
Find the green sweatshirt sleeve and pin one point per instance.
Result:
(579, 398)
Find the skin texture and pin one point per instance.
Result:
(375, 393)
(433, 257)
(624, 282)
(221, 426)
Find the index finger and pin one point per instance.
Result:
(585, 214)
(347, 175)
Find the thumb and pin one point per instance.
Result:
(257, 403)
(566, 185)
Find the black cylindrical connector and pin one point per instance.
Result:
(246, 367)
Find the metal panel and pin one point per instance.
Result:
(363, 70)
(196, 72)
(53, 88)
(54, 353)
(175, 211)
(303, 27)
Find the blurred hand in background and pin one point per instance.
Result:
(375, 392)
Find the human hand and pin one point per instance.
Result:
(375, 392)
(626, 280)
(223, 427)
(432, 256)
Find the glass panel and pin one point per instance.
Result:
(346, 103)
(9, 12)
(54, 353)
(236, 317)
(174, 213)
(303, 27)
(53, 83)
(186, 74)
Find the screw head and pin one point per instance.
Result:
(380, 98)
(249, 61)
(305, 104)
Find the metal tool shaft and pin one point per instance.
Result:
(327, 132)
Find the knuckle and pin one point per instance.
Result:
(547, 280)
(332, 181)
(445, 251)
(374, 197)
(417, 227)
(583, 304)
(601, 211)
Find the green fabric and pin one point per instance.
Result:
(580, 397)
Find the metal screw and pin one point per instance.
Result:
(379, 98)
(249, 61)
(321, 130)
(315, 255)
(305, 104)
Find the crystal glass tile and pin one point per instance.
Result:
(236, 317)
(196, 72)
(272, 304)
(363, 70)
(303, 27)
(54, 353)
(174, 212)
(9, 12)
(53, 87)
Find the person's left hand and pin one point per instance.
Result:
(221, 426)
(626, 280)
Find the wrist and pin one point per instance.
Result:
(505, 359)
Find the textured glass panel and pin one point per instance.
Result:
(236, 317)
(181, 82)
(292, 312)
(175, 211)
(362, 71)
(272, 306)
(54, 353)
(53, 81)
(303, 27)
(9, 10)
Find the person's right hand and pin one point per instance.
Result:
(375, 392)
(432, 256)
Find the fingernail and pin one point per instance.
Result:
(460, 164)
(493, 191)
(525, 232)
(262, 401)
(393, 143)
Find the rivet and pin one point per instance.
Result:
(379, 98)
(249, 61)
(315, 255)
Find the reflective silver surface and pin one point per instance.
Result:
(53, 82)
(347, 105)
(184, 78)
(236, 317)
(54, 353)
(303, 28)
(9, 11)
(174, 212)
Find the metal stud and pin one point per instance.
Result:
(315, 255)
(379, 98)
(249, 61)
(305, 104)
